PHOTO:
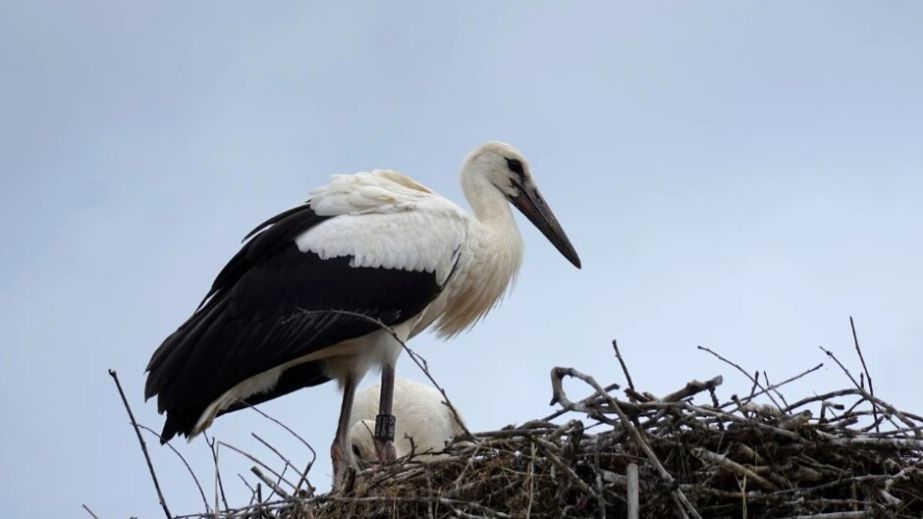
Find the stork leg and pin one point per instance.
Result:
(385, 422)
(339, 451)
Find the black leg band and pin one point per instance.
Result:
(384, 427)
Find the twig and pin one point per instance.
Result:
(219, 485)
(186, 463)
(304, 474)
(618, 355)
(875, 401)
(913, 444)
(531, 477)
(816, 398)
(468, 465)
(563, 467)
(600, 488)
(273, 449)
(733, 466)
(147, 457)
(270, 483)
(756, 384)
(422, 364)
(771, 387)
(256, 460)
(279, 454)
(582, 406)
(833, 515)
(249, 486)
(632, 474)
(726, 416)
(693, 388)
(754, 379)
(776, 386)
(85, 507)
(438, 499)
(855, 339)
(842, 367)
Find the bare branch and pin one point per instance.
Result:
(85, 507)
(303, 480)
(186, 463)
(752, 378)
(147, 457)
(618, 355)
(270, 483)
(855, 338)
(219, 485)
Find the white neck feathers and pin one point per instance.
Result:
(489, 262)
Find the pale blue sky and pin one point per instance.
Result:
(743, 175)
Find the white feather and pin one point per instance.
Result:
(382, 223)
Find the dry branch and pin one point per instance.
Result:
(147, 457)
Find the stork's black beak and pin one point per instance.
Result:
(530, 202)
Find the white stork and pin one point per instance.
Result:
(425, 424)
(297, 306)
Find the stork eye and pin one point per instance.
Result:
(356, 451)
(515, 165)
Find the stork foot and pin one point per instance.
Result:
(385, 450)
(343, 475)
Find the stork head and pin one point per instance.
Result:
(362, 444)
(503, 167)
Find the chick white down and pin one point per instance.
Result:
(424, 423)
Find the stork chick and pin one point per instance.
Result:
(425, 424)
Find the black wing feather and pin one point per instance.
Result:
(269, 305)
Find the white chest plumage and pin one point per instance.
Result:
(487, 269)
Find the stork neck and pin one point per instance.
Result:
(488, 204)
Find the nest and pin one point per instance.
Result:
(623, 453)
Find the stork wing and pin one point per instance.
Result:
(283, 296)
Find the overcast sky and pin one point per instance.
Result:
(742, 175)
